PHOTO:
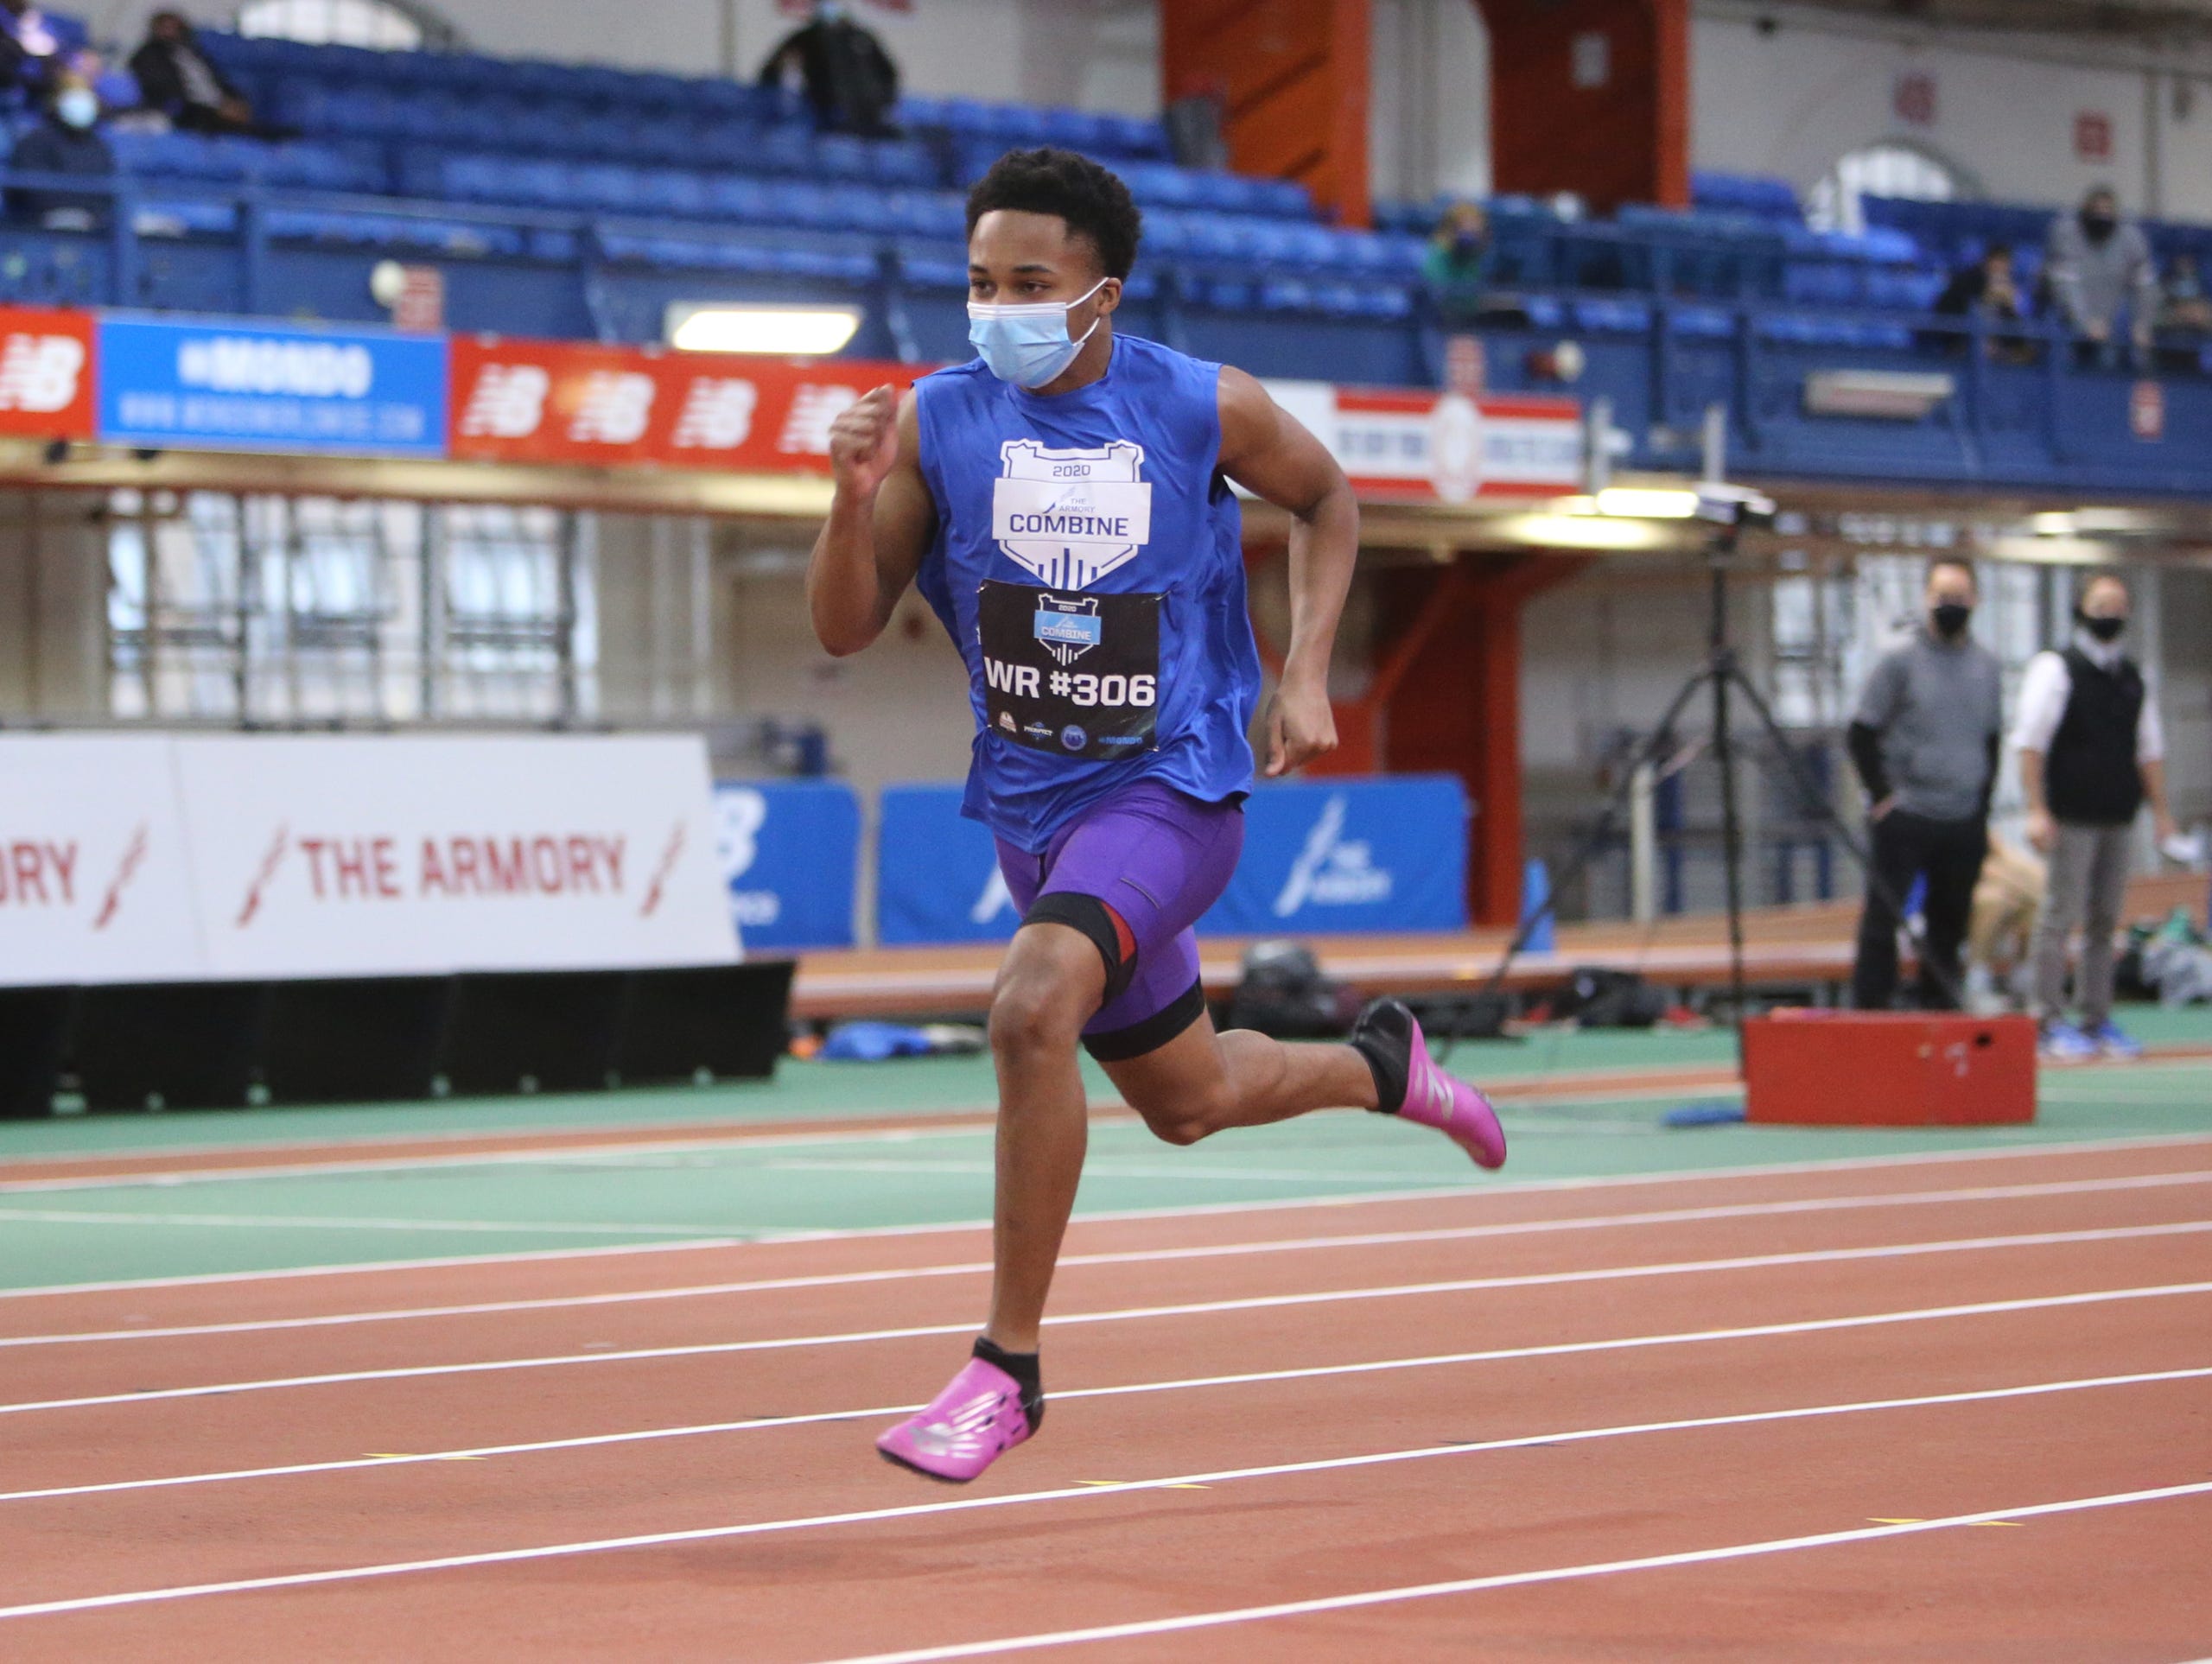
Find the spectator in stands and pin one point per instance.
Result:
(34, 48)
(177, 79)
(844, 71)
(2184, 309)
(1924, 742)
(2096, 263)
(1455, 259)
(66, 140)
(1988, 289)
(2092, 754)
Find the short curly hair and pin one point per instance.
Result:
(1093, 200)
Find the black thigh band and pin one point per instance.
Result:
(1096, 920)
(1120, 1045)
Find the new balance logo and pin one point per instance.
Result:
(814, 407)
(615, 407)
(717, 415)
(508, 402)
(39, 373)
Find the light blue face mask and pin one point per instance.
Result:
(78, 106)
(1027, 343)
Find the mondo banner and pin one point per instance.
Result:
(223, 383)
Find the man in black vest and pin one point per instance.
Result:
(2092, 754)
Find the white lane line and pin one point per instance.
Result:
(1185, 1210)
(1517, 1579)
(1153, 1256)
(1496, 1355)
(339, 1222)
(967, 1504)
(552, 1156)
(1136, 1314)
(2028, 1141)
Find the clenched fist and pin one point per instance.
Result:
(864, 442)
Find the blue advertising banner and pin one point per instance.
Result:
(1337, 855)
(1385, 854)
(211, 384)
(790, 851)
(936, 875)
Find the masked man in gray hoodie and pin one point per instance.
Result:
(2095, 262)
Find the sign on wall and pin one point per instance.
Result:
(1349, 855)
(95, 880)
(1447, 447)
(1380, 855)
(937, 873)
(227, 383)
(46, 374)
(167, 857)
(787, 851)
(518, 401)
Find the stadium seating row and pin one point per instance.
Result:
(268, 68)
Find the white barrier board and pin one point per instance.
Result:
(284, 856)
(95, 882)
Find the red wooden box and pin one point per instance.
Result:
(1889, 1069)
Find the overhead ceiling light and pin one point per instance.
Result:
(2051, 525)
(789, 332)
(1638, 503)
(1590, 531)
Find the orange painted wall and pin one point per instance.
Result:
(1292, 79)
(1626, 141)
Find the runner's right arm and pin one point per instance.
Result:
(880, 525)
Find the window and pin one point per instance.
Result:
(386, 25)
(280, 610)
(1887, 169)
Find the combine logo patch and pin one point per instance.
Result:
(1068, 628)
(1071, 516)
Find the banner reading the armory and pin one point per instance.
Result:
(282, 856)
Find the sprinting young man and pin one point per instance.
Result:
(1064, 505)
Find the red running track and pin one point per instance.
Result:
(1743, 1416)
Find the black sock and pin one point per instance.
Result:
(1384, 1036)
(1025, 1371)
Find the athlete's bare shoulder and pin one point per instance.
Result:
(1269, 451)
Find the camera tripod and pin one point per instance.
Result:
(1723, 677)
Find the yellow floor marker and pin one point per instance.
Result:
(2013, 1524)
(1118, 1484)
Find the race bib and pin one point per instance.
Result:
(1076, 674)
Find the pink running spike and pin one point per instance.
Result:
(1463, 1114)
(965, 1428)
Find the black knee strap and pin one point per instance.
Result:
(1096, 920)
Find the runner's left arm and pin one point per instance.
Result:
(1266, 451)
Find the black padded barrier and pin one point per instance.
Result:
(175, 1046)
(354, 1039)
(533, 1031)
(728, 1021)
(34, 1044)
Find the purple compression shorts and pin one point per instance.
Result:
(1158, 858)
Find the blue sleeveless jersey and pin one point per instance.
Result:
(1059, 520)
